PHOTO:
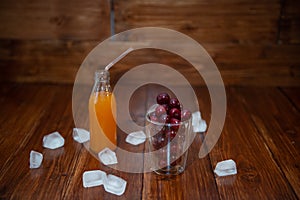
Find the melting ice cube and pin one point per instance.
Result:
(196, 117)
(53, 141)
(107, 157)
(81, 135)
(136, 138)
(226, 168)
(200, 126)
(35, 159)
(115, 185)
(93, 178)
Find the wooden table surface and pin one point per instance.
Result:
(261, 133)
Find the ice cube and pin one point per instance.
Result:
(81, 135)
(115, 185)
(226, 168)
(53, 140)
(136, 138)
(196, 117)
(93, 178)
(35, 159)
(200, 126)
(107, 157)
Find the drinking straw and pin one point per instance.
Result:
(118, 58)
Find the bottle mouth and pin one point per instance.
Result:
(102, 75)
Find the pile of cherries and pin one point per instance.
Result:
(170, 114)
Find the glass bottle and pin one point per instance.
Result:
(102, 109)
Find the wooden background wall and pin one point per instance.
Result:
(253, 42)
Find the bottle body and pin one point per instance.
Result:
(102, 109)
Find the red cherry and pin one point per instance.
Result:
(186, 114)
(153, 118)
(162, 141)
(174, 103)
(162, 163)
(159, 141)
(175, 113)
(155, 143)
(164, 118)
(170, 133)
(175, 123)
(174, 149)
(166, 106)
(159, 110)
(163, 98)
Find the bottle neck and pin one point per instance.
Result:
(102, 81)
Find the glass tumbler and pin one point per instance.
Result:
(168, 145)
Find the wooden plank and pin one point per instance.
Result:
(42, 60)
(205, 21)
(293, 94)
(277, 121)
(290, 22)
(188, 185)
(5, 90)
(248, 76)
(259, 176)
(86, 162)
(64, 168)
(261, 66)
(254, 54)
(54, 19)
(259, 134)
(21, 125)
(16, 177)
(58, 61)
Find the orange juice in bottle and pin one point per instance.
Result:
(102, 107)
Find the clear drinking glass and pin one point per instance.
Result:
(168, 145)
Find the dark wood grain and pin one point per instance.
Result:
(58, 62)
(252, 43)
(40, 40)
(279, 127)
(290, 22)
(30, 104)
(53, 61)
(254, 65)
(246, 54)
(52, 19)
(29, 183)
(258, 172)
(260, 134)
(205, 21)
(293, 94)
(229, 27)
